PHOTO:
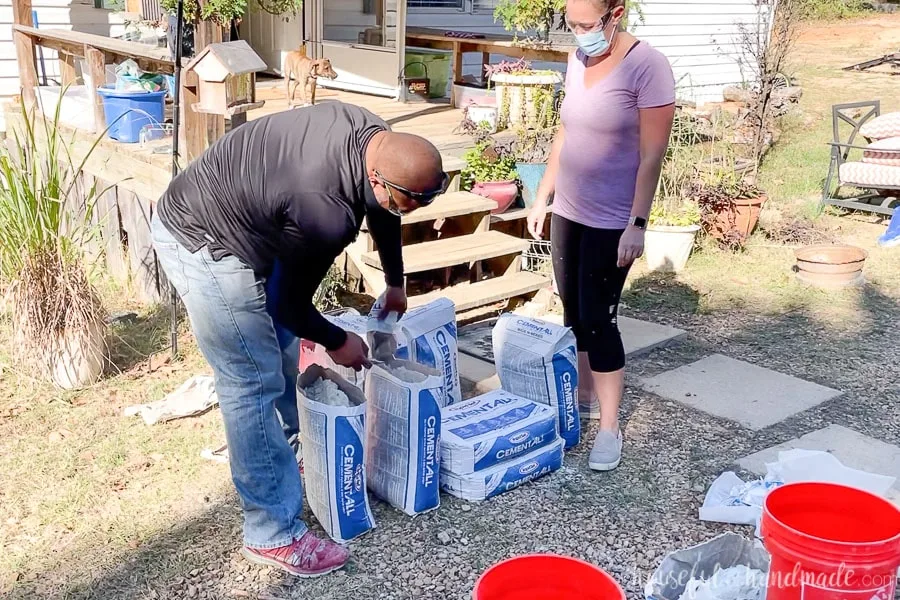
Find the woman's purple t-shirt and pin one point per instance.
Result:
(600, 156)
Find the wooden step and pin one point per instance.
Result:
(467, 296)
(453, 204)
(453, 251)
(452, 164)
(515, 214)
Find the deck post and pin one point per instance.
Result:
(96, 64)
(25, 51)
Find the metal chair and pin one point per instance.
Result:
(881, 181)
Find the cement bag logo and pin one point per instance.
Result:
(528, 468)
(351, 479)
(427, 494)
(446, 360)
(533, 328)
(566, 383)
(518, 438)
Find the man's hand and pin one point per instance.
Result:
(354, 353)
(394, 301)
(631, 246)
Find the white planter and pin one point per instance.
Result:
(482, 114)
(516, 94)
(78, 358)
(667, 248)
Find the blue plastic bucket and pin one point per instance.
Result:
(127, 112)
(530, 175)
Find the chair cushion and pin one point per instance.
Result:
(879, 128)
(873, 153)
(867, 175)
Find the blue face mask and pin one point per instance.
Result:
(593, 43)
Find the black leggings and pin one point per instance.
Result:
(590, 284)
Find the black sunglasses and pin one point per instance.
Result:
(420, 198)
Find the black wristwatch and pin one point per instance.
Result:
(639, 222)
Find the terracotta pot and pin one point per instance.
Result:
(833, 266)
(504, 193)
(741, 217)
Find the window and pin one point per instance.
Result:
(114, 5)
(456, 4)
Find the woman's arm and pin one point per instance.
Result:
(655, 127)
(538, 214)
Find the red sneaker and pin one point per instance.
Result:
(308, 556)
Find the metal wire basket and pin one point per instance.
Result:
(537, 258)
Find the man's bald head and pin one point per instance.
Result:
(407, 161)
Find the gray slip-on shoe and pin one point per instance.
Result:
(607, 451)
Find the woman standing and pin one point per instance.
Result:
(603, 171)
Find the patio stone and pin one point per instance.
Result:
(852, 448)
(739, 391)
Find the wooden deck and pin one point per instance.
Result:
(434, 120)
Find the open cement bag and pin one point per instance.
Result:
(504, 476)
(348, 320)
(538, 361)
(481, 432)
(427, 335)
(728, 566)
(403, 435)
(332, 435)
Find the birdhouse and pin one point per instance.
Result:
(226, 78)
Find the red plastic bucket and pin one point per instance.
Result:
(546, 577)
(830, 542)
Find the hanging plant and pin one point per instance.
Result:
(281, 7)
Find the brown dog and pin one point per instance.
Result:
(302, 71)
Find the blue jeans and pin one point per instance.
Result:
(255, 366)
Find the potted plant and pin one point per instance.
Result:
(729, 205)
(524, 95)
(670, 235)
(491, 172)
(532, 153)
(674, 218)
(529, 15)
(46, 222)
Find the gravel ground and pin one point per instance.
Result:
(625, 521)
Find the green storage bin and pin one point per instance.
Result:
(438, 64)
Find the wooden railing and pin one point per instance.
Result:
(96, 50)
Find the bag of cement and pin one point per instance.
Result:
(504, 476)
(348, 320)
(427, 335)
(403, 434)
(332, 435)
(481, 432)
(537, 360)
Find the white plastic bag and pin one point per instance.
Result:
(537, 360)
(427, 335)
(333, 446)
(482, 432)
(403, 435)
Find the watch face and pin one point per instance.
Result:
(639, 222)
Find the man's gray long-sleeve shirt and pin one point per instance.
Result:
(293, 188)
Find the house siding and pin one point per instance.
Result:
(702, 38)
(57, 14)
